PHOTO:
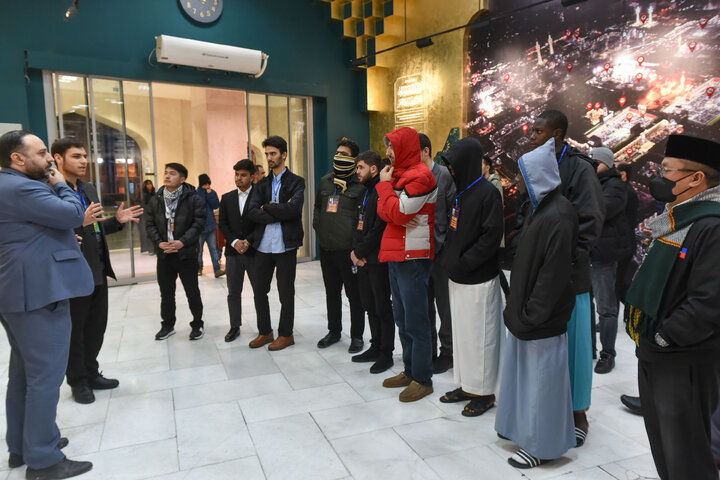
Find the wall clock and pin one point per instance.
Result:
(203, 11)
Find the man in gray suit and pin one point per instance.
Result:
(41, 267)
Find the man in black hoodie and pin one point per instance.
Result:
(470, 258)
(612, 245)
(373, 275)
(175, 219)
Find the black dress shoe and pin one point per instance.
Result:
(356, 345)
(632, 403)
(369, 355)
(328, 340)
(232, 334)
(102, 383)
(605, 364)
(442, 364)
(384, 362)
(82, 394)
(16, 460)
(63, 469)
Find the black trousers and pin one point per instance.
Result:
(336, 269)
(235, 268)
(169, 267)
(678, 399)
(89, 317)
(375, 295)
(264, 266)
(439, 293)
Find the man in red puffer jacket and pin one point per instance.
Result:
(406, 201)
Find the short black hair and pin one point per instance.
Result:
(245, 164)
(488, 161)
(556, 119)
(346, 142)
(371, 158)
(178, 167)
(12, 142)
(625, 167)
(62, 145)
(425, 143)
(277, 142)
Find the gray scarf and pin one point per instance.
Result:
(171, 203)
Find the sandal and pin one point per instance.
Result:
(455, 396)
(580, 436)
(478, 406)
(523, 460)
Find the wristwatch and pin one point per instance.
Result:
(661, 341)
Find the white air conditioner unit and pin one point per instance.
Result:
(194, 53)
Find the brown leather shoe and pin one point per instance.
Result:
(399, 380)
(261, 340)
(282, 342)
(415, 392)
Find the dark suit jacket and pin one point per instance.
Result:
(40, 261)
(234, 224)
(90, 245)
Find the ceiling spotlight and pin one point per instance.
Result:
(72, 10)
(424, 42)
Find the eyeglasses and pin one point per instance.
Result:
(662, 170)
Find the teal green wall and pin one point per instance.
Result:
(307, 56)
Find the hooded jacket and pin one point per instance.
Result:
(407, 202)
(189, 221)
(542, 296)
(471, 250)
(615, 241)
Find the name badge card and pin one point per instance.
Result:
(454, 217)
(361, 221)
(332, 205)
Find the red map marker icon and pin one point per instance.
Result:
(607, 67)
(577, 34)
(518, 108)
(598, 105)
(703, 22)
(569, 66)
(629, 151)
(482, 112)
(589, 106)
(643, 17)
(680, 130)
(692, 45)
(525, 128)
(640, 60)
(638, 77)
(622, 101)
(629, 117)
(507, 77)
(568, 34)
(710, 91)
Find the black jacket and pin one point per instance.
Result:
(335, 229)
(631, 213)
(366, 242)
(580, 185)
(690, 308)
(288, 211)
(542, 296)
(234, 224)
(615, 241)
(97, 255)
(189, 221)
(470, 253)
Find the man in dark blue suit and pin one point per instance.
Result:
(41, 267)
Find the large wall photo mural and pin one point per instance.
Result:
(627, 75)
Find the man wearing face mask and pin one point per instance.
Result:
(672, 311)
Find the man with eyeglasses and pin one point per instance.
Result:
(672, 311)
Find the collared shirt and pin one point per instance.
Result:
(242, 199)
(272, 241)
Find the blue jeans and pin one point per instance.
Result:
(408, 284)
(603, 284)
(209, 238)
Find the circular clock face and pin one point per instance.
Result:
(203, 11)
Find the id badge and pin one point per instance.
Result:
(454, 217)
(332, 205)
(172, 224)
(361, 221)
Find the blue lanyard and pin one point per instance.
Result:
(365, 198)
(466, 189)
(562, 155)
(80, 195)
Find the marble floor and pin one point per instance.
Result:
(213, 410)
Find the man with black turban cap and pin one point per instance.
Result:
(673, 311)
